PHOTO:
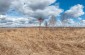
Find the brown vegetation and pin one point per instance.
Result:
(43, 41)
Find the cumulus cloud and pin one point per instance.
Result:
(83, 21)
(3, 19)
(37, 8)
(4, 6)
(74, 12)
(7, 21)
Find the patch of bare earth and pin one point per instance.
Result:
(43, 41)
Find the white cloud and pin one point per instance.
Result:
(79, 18)
(37, 8)
(83, 21)
(6, 21)
(74, 12)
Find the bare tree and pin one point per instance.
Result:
(52, 21)
(65, 18)
(46, 24)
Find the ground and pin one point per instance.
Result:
(43, 41)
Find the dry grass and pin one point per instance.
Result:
(32, 41)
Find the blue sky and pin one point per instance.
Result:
(66, 4)
(23, 11)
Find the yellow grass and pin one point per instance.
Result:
(46, 41)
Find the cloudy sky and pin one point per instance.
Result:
(25, 13)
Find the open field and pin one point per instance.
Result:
(43, 41)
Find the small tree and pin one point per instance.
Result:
(40, 21)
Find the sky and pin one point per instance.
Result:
(56, 13)
(66, 4)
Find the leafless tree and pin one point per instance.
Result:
(46, 24)
(65, 18)
(52, 21)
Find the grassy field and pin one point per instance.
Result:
(43, 41)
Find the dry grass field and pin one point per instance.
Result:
(43, 41)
